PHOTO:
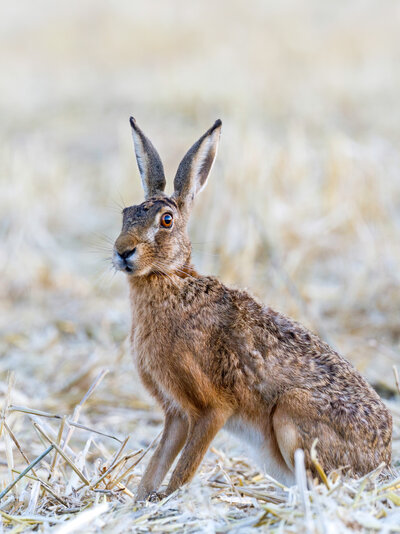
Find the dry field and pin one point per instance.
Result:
(302, 208)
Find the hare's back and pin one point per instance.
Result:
(280, 354)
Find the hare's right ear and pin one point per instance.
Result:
(150, 167)
(193, 171)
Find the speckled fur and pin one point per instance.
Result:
(213, 357)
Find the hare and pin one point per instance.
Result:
(213, 357)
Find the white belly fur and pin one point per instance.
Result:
(261, 448)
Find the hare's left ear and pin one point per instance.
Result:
(150, 167)
(193, 171)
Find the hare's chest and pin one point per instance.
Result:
(157, 343)
(154, 370)
(171, 372)
(149, 350)
(153, 353)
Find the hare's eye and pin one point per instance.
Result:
(166, 220)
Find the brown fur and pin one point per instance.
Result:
(213, 357)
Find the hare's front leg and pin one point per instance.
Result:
(172, 440)
(202, 430)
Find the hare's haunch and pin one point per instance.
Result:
(213, 357)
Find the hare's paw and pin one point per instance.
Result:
(156, 496)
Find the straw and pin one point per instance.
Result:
(25, 471)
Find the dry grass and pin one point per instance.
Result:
(303, 208)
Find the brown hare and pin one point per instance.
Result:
(213, 357)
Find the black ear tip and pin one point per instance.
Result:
(217, 124)
(133, 122)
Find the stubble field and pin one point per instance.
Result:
(302, 208)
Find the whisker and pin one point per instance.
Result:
(104, 237)
(115, 209)
(162, 271)
(122, 200)
(98, 250)
(118, 204)
(182, 271)
(104, 276)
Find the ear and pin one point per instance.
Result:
(193, 171)
(150, 167)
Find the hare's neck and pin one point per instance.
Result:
(158, 292)
(154, 287)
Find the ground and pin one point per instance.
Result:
(302, 208)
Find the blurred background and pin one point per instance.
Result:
(302, 207)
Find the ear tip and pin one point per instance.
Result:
(216, 126)
(132, 121)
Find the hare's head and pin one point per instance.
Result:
(154, 236)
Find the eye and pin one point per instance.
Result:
(166, 220)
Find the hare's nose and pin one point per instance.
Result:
(127, 253)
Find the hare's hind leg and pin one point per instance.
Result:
(296, 424)
(292, 412)
(286, 434)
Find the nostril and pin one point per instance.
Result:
(127, 253)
